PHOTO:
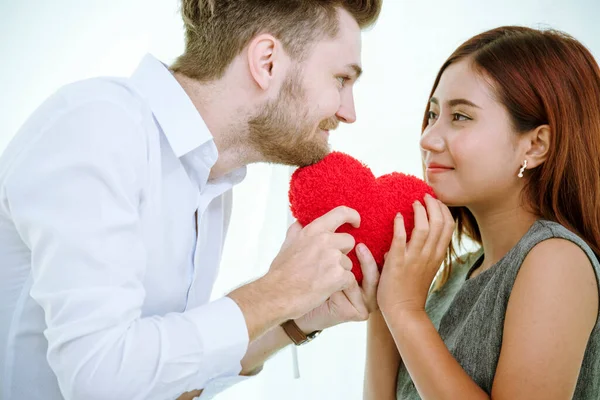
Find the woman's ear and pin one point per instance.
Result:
(538, 141)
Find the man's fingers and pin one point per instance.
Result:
(355, 297)
(292, 233)
(344, 242)
(294, 229)
(334, 219)
(348, 280)
(346, 262)
(190, 395)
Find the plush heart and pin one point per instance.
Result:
(340, 179)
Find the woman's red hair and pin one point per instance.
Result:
(543, 77)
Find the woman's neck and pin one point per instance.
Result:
(501, 230)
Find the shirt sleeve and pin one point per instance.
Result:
(74, 196)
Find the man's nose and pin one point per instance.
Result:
(347, 113)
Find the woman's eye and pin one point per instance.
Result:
(460, 117)
(431, 116)
(342, 80)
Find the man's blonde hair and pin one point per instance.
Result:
(216, 31)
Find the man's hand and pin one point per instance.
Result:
(352, 304)
(313, 263)
(190, 395)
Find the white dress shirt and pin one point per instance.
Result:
(104, 284)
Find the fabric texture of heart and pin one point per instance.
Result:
(340, 179)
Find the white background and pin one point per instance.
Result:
(45, 44)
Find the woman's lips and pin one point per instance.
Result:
(438, 168)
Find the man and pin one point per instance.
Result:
(115, 198)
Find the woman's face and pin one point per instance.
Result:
(469, 146)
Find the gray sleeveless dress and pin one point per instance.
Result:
(469, 315)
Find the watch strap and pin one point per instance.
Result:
(295, 333)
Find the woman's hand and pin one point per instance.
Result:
(410, 269)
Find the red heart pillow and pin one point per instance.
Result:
(338, 180)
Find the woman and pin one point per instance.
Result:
(511, 143)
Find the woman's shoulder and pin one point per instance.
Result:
(562, 255)
(548, 239)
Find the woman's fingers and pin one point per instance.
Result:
(420, 230)
(433, 229)
(436, 226)
(398, 247)
(447, 231)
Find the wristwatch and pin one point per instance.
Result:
(296, 334)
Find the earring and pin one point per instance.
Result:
(523, 168)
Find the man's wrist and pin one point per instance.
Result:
(261, 305)
(278, 294)
(306, 325)
(296, 334)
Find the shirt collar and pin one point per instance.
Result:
(181, 123)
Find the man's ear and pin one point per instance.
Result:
(538, 142)
(263, 52)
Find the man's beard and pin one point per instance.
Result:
(283, 132)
